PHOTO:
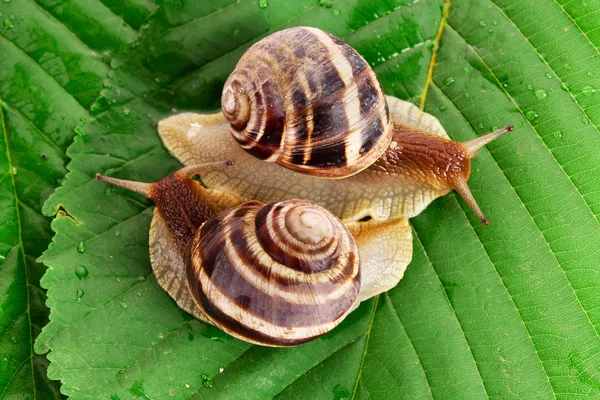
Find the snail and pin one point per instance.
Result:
(304, 117)
(277, 274)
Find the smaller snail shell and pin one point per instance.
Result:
(304, 99)
(279, 274)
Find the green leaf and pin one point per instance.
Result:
(49, 77)
(507, 310)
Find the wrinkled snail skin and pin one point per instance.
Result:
(279, 274)
(304, 99)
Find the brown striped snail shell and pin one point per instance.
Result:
(306, 100)
(279, 274)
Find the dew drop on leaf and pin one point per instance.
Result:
(549, 75)
(124, 305)
(590, 74)
(81, 247)
(79, 294)
(495, 23)
(490, 31)
(81, 272)
(442, 108)
(340, 392)
(559, 134)
(206, 381)
(531, 115)
(529, 87)
(467, 70)
(108, 191)
(482, 23)
(449, 81)
(585, 120)
(336, 12)
(588, 90)
(567, 67)
(326, 3)
(480, 125)
(7, 24)
(541, 94)
(14, 340)
(117, 233)
(467, 95)
(126, 111)
(263, 4)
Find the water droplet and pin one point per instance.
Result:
(336, 12)
(14, 170)
(236, 32)
(494, 128)
(559, 134)
(590, 74)
(7, 24)
(340, 392)
(495, 23)
(81, 272)
(139, 294)
(567, 67)
(7, 1)
(531, 115)
(529, 87)
(126, 111)
(449, 81)
(482, 23)
(585, 120)
(81, 247)
(141, 278)
(124, 305)
(541, 94)
(79, 294)
(13, 339)
(108, 191)
(442, 108)
(467, 95)
(467, 70)
(326, 3)
(549, 75)
(588, 90)
(490, 31)
(480, 125)
(118, 279)
(117, 233)
(263, 4)
(206, 381)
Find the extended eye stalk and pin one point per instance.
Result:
(461, 186)
(145, 188)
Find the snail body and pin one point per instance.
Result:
(306, 101)
(276, 274)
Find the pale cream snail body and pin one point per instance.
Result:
(304, 117)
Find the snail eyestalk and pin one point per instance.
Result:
(199, 169)
(463, 190)
(138, 187)
(473, 145)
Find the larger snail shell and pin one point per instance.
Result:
(306, 100)
(279, 274)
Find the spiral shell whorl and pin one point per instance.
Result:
(254, 280)
(315, 104)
